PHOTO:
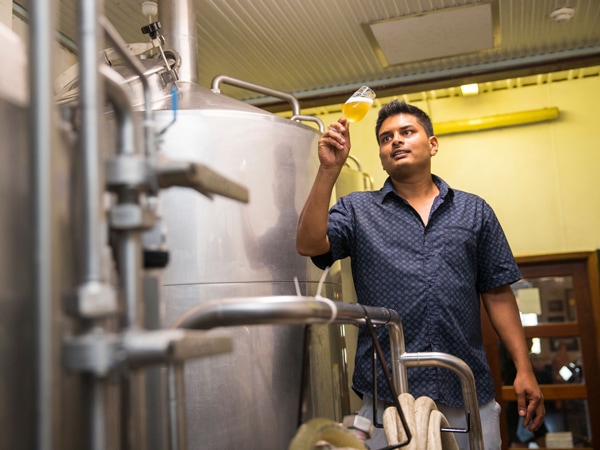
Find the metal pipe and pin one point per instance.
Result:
(129, 241)
(96, 391)
(293, 101)
(41, 39)
(460, 368)
(298, 310)
(289, 310)
(319, 122)
(178, 19)
(175, 383)
(130, 262)
(90, 98)
(121, 47)
(118, 97)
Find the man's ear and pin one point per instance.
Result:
(433, 145)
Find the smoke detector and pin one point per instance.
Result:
(563, 14)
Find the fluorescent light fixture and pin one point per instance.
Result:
(497, 121)
(435, 34)
(469, 89)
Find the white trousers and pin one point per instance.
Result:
(489, 414)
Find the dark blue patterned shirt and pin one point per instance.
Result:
(432, 275)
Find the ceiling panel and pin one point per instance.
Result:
(319, 51)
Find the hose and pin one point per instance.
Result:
(425, 422)
(319, 429)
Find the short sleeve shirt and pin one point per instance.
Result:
(431, 275)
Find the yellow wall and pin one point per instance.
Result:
(541, 179)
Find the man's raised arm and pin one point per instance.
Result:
(334, 147)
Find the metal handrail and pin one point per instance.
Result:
(293, 101)
(318, 310)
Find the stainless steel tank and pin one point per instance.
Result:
(16, 310)
(251, 398)
(277, 375)
(26, 335)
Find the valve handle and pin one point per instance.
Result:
(152, 29)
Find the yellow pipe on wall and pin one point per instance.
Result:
(497, 121)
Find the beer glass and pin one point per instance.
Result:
(357, 106)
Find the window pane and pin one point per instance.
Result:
(546, 300)
(554, 360)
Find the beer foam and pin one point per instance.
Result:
(359, 99)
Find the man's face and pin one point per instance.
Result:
(404, 146)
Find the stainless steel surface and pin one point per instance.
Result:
(179, 29)
(253, 87)
(224, 249)
(18, 353)
(91, 96)
(35, 268)
(233, 249)
(91, 104)
(42, 147)
(115, 39)
(314, 310)
(201, 178)
(314, 119)
(213, 131)
(460, 368)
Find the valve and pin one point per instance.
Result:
(152, 30)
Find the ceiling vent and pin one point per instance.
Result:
(436, 34)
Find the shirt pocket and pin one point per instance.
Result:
(457, 251)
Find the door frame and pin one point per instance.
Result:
(584, 268)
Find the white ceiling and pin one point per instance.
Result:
(319, 50)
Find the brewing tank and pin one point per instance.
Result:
(16, 344)
(219, 248)
(277, 376)
(20, 322)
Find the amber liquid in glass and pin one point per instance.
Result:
(356, 108)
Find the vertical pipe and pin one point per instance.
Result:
(178, 20)
(121, 47)
(130, 261)
(177, 421)
(96, 392)
(90, 96)
(41, 149)
(397, 349)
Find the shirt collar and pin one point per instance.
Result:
(388, 188)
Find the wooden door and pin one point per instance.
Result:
(559, 300)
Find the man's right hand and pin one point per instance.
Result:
(334, 145)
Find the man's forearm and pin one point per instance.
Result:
(311, 234)
(504, 315)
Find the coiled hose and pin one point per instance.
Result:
(425, 422)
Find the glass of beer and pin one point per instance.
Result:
(357, 106)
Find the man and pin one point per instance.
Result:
(429, 252)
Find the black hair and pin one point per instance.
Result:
(395, 107)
